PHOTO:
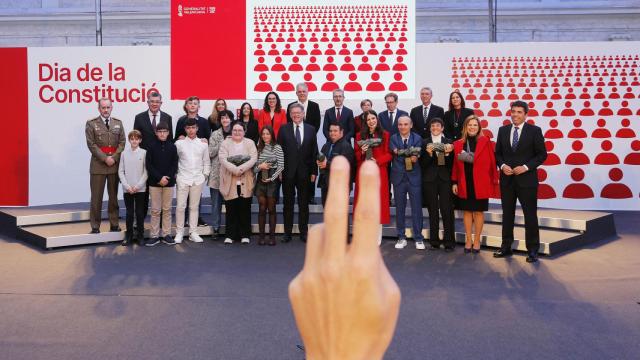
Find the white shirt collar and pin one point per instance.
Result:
(157, 115)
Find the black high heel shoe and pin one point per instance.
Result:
(475, 251)
(466, 251)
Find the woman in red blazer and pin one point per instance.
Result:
(272, 113)
(474, 182)
(381, 155)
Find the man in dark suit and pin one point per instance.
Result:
(436, 185)
(421, 115)
(389, 118)
(519, 151)
(146, 123)
(300, 148)
(339, 113)
(406, 181)
(332, 148)
(311, 117)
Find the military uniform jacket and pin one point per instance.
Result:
(98, 137)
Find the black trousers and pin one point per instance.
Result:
(312, 190)
(135, 207)
(324, 192)
(528, 197)
(238, 217)
(438, 197)
(300, 185)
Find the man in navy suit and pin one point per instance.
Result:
(389, 118)
(519, 151)
(339, 113)
(407, 182)
(300, 148)
(421, 115)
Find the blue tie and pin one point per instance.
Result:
(514, 143)
(406, 143)
(330, 151)
(298, 138)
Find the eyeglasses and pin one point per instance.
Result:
(162, 131)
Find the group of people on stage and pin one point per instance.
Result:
(431, 157)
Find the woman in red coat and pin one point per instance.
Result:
(381, 155)
(475, 179)
(272, 113)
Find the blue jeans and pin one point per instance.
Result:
(400, 192)
(216, 208)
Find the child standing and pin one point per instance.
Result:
(133, 176)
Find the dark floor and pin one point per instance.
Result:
(210, 301)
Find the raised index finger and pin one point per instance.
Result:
(336, 212)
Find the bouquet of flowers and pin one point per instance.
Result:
(238, 160)
(371, 142)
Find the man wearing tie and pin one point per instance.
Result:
(146, 123)
(389, 117)
(332, 148)
(300, 148)
(519, 151)
(105, 140)
(312, 117)
(339, 113)
(421, 115)
(406, 179)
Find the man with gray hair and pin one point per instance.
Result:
(339, 114)
(421, 115)
(311, 111)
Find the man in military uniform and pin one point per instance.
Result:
(105, 139)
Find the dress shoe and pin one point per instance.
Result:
(286, 238)
(502, 253)
(303, 238)
(128, 238)
(95, 231)
(261, 241)
(272, 240)
(115, 229)
(434, 247)
(448, 249)
(532, 257)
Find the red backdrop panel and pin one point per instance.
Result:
(14, 124)
(208, 49)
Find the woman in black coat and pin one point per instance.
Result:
(454, 117)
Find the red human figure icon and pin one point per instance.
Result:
(278, 66)
(485, 94)
(605, 111)
(330, 66)
(587, 111)
(295, 66)
(373, 50)
(577, 132)
(568, 110)
(263, 85)
(541, 95)
(513, 95)
(585, 94)
(387, 50)
(399, 66)
(287, 51)
(624, 110)
(625, 132)
(601, 132)
(365, 66)
(629, 94)
(549, 111)
(312, 66)
(616, 190)
(353, 85)
(274, 50)
(375, 85)
(634, 157)
(545, 191)
(476, 109)
(527, 95)
(570, 95)
(498, 95)
(310, 84)
(347, 66)
(259, 51)
(614, 94)
(261, 67)
(330, 85)
(552, 158)
(316, 50)
(577, 190)
(577, 157)
(485, 128)
(401, 50)
(398, 84)
(382, 65)
(470, 96)
(494, 112)
(358, 50)
(532, 109)
(553, 132)
(285, 85)
(606, 157)
(344, 51)
(329, 50)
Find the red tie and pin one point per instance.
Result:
(338, 114)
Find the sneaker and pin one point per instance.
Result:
(179, 236)
(168, 240)
(244, 241)
(420, 245)
(401, 243)
(152, 242)
(195, 237)
(228, 241)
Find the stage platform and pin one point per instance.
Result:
(67, 225)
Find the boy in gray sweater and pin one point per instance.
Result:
(133, 176)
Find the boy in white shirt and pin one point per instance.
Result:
(133, 176)
(193, 168)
